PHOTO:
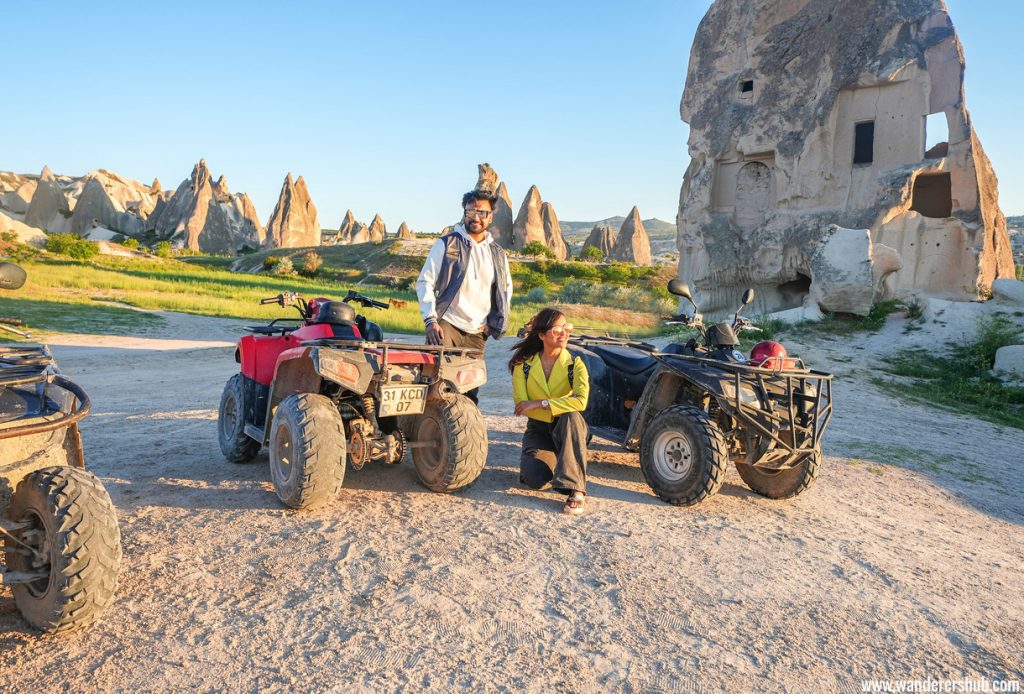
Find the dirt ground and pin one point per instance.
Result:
(902, 561)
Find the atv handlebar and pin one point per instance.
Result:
(365, 301)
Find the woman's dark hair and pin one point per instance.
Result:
(531, 344)
(479, 195)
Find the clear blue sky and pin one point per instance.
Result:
(389, 107)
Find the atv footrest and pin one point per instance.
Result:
(610, 433)
(254, 432)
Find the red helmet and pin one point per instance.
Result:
(769, 355)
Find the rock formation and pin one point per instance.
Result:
(94, 208)
(49, 209)
(632, 245)
(378, 232)
(16, 193)
(206, 217)
(553, 231)
(868, 131)
(487, 178)
(501, 223)
(347, 229)
(529, 225)
(602, 238)
(404, 232)
(294, 220)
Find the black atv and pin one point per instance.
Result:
(691, 408)
(62, 546)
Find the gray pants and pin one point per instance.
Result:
(453, 337)
(555, 452)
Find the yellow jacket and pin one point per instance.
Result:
(556, 390)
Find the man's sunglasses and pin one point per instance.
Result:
(478, 213)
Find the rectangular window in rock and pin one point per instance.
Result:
(936, 136)
(864, 142)
(747, 86)
(933, 195)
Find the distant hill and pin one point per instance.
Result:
(656, 228)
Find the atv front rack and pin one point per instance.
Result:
(788, 408)
(34, 365)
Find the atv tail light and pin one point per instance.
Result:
(470, 377)
(340, 371)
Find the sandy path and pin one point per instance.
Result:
(904, 560)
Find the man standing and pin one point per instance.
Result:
(465, 287)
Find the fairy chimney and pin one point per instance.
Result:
(553, 231)
(529, 224)
(632, 244)
(602, 237)
(294, 222)
(378, 232)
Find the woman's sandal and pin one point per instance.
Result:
(575, 503)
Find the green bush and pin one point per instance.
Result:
(72, 245)
(163, 249)
(283, 266)
(577, 271)
(130, 243)
(270, 261)
(592, 253)
(531, 280)
(577, 292)
(537, 295)
(536, 248)
(311, 263)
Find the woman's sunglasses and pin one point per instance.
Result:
(560, 330)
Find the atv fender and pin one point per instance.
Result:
(295, 372)
(668, 386)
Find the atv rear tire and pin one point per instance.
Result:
(683, 455)
(307, 451)
(73, 525)
(460, 452)
(782, 484)
(234, 444)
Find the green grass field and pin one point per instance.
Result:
(95, 296)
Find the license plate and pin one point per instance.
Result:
(396, 400)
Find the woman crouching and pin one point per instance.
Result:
(551, 388)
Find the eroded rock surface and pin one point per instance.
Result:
(632, 244)
(294, 221)
(404, 232)
(553, 231)
(377, 231)
(205, 216)
(502, 222)
(529, 224)
(868, 130)
(602, 237)
(49, 208)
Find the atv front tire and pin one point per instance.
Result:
(683, 455)
(70, 525)
(457, 429)
(307, 451)
(782, 484)
(234, 444)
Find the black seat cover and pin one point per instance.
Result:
(623, 359)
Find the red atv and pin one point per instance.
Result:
(325, 388)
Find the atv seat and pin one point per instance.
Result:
(623, 359)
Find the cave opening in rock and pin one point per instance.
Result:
(864, 142)
(794, 291)
(746, 86)
(933, 195)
